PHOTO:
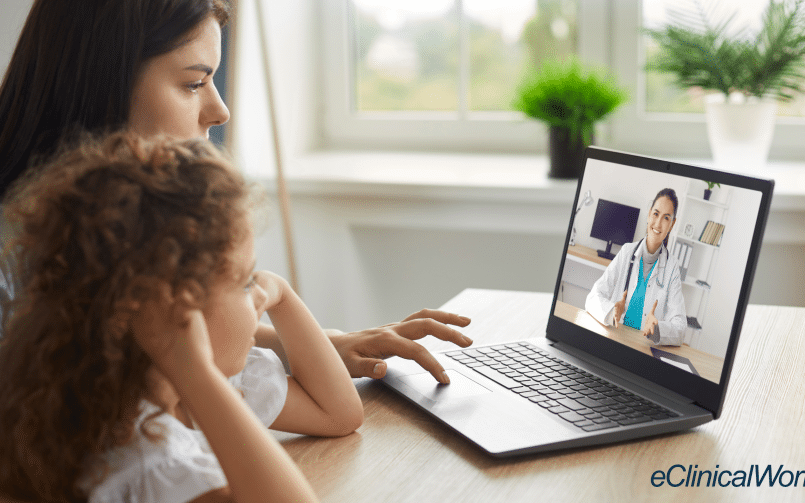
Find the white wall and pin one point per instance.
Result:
(294, 74)
(12, 18)
(728, 271)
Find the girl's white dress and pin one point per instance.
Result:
(182, 467)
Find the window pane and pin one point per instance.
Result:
(661, 94)
(506, 35)
(406, 54)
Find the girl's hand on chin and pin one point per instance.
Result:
(174, 335)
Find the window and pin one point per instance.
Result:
(439, 74)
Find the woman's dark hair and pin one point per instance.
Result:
(670, 194)
(75, 65)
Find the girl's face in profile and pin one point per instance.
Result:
(234, 307)
(174, 93)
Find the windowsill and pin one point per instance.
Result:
(474, 177)
(482, 177)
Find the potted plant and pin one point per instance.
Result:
(570, 99)
(748, 74)
(709, 190)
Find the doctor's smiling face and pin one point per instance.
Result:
(661, 220)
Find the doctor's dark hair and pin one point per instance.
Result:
(101, 229)
(670, 194)
(75, 65)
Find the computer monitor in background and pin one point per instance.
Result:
(615, 223)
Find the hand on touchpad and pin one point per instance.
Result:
(460, 385)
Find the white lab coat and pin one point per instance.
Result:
(670, 310)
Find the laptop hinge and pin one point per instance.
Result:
(621, 373)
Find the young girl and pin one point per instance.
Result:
(136, 317)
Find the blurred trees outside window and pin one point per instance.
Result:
(453, 55)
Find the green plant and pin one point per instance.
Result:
(728, 59)
(710, 185)
(564, 93)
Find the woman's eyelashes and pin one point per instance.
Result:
(193, 87)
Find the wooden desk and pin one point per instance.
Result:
(588, 254)
(401, 454)
(707, 365)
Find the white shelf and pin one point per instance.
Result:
(693, 284)
(705, 201)
(696, 241)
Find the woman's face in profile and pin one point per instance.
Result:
(660, 222)
(174, 93)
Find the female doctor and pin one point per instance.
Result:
(642, 287)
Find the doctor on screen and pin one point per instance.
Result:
(652, 300)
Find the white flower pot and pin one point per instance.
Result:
(740, 131)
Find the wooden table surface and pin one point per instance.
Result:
(402, 454)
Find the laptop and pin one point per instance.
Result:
(588, 382)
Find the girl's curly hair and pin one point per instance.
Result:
(98, 229)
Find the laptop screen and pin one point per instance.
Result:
(676, 289)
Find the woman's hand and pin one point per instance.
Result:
(651, 321)
(620, 308)
(363, 352)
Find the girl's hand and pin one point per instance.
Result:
(363, 352)
(174, 335)
(273, 285)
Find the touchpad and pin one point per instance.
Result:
(460, 386)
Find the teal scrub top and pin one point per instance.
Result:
(634, 315)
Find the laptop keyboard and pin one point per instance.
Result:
(577, 396)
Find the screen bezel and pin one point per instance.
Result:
(701, 391)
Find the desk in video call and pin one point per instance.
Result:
(707, 365)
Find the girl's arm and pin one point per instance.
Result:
(322, 400)
(256, 466)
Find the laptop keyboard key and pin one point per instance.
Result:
(599, 426)
(571, 404)
(634, 420)
(496, 376)
(572, 416)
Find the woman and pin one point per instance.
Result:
(641, 287)
(101, 65)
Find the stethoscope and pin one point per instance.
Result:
(631, 263)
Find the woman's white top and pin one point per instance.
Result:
(664, 286)
(182, 466)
